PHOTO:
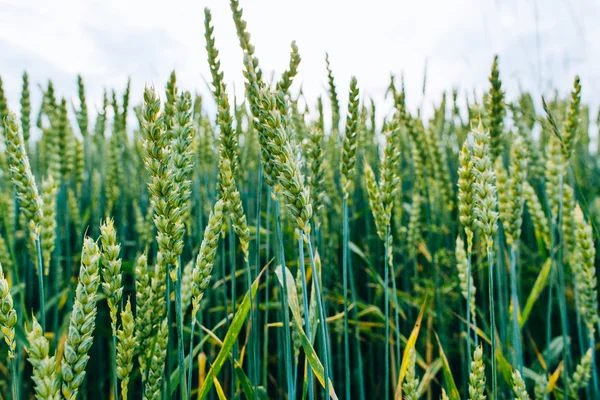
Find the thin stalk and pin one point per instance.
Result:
(256, 366)
(318, 295)
(114, 360)
(284, 304)
(15, 376)
(252, 339)
(306, 309)
(594, 366)
(266, 316)
(561, 289)
(345, 288)
(469, 311)
(232, 268)
(397, 307)
(515, 304)
(169, 366)
(359, 360)
(179, 320)
(191, 362)
(492, 322)
(40, 265)
(387, 313)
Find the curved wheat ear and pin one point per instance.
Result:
(125, 348)
(47, 382)
(477, 376)
(290, 177)
(22, 178)
(206, 257)
(519, 386)
(8, 315)
(111, 273)
(81, 327)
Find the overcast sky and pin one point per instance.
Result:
(541, 44)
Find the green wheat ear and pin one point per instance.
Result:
(8, 315)
(47, 381)
(22, 177)
(477, 376)
(82, 323)
(125, 348)
(519, 386)
(111, 271)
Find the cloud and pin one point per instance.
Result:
(539, 42)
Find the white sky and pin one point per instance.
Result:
(541, 43)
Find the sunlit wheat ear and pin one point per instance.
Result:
(477, 376)
(47, 381)
(111, 271)
(83, 321)
(126, 346)
(8, 315)
(206, 257)
(519, 386)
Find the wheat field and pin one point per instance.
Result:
(248, 248)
